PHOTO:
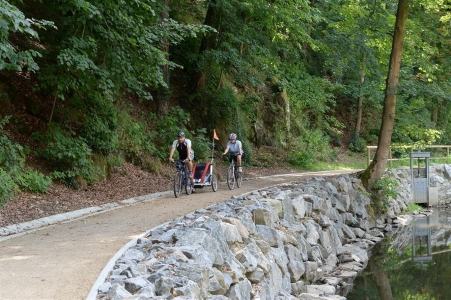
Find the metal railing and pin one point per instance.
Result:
(391, 159)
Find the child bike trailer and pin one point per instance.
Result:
(204, 176)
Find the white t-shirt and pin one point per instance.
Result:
(235, 148)
(187, 142)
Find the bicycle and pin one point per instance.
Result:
(181, 178)
(233, 175)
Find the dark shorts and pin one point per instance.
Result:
(233, 157)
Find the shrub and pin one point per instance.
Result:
(384, 190)
(136, 138)
(8, 188)
(12, 155)
(70, 156)
(357, 144)
(100, 135)
(33, 181)
(310, 147)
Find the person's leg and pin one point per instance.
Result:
(238, 160)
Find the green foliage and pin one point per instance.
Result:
(412, 207)
(70, 156)
(357, 144)
(12, 155)
(311, 147)
(13, 177)
(14, 21)
(136, 138)
(383, 191)
(8, 188)
(33, 181)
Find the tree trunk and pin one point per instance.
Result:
(377, 167)
(198, 78)
(360, 101)
(164, 91)
(381, 279)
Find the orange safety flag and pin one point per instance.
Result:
(215, 136)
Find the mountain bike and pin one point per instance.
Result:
(233, 175)
(181, 178)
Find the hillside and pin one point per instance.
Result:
(89, 87)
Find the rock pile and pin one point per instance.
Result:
(305, 240)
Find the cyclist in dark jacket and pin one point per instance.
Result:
(183, 146)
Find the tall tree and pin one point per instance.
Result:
(377, 167)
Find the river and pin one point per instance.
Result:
(413, 263)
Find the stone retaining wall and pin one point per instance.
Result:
(304, 240)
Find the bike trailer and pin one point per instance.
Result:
(201, 173)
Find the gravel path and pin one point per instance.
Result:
(63, 261)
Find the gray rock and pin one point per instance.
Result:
(268, 234)
(281, 259)
(217, 284)
(104, 288)
(317, 202)
(198, 254)
(345, 200)
(118, 292)
(147, 291)
(164, 285)
(311, 271)
(288, 210)
(358, 232)
(335, 240)
(344, 184)
(325, 241)
(324, 221)
(134, 284)
(321, 290)
(246, 219)
(246, 258)
(191, 291)
(256, 276)
(133, 254)
(198, 274)
(263, 217)
(244, 232)
(348, 233)
(298, 207)
(296, 266)
(231, 233)
(316, 255)
(361, 253)
(195, 237)
(298, 287)
(240, 291)
(308, 207)
(263, 262)
(217, 297)
(312, 234)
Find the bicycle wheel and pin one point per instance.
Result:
(239, 179)
(214, 182)
(231, 177)
(177, 184)
(188, 183)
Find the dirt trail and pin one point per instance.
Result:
(63, 261)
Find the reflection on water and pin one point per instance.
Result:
(414, 263)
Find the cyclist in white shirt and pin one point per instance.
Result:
(236, 150)
(183, 146)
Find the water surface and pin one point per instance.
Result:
(414, 263)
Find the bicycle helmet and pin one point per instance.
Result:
(181, 134)
(232, 136)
